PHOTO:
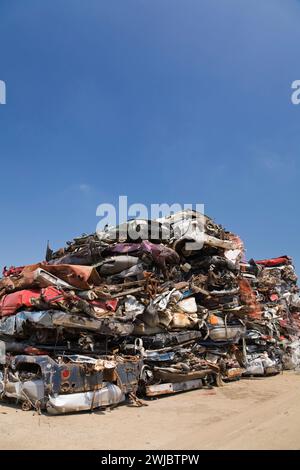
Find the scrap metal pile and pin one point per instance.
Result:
(272, 340)
(144, 309)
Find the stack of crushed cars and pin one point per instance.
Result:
(140, 310)
(271, 342)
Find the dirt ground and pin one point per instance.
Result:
(249, 414)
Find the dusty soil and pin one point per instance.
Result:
(249, 414)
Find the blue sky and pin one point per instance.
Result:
(182, 101)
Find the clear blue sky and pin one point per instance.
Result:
(163, 100)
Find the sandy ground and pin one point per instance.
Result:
(249, 414)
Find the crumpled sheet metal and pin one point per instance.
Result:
(11, 303)
(273, 262)
(173, 387)
(76, 277)
(161, 255)
(261, 365)
(109, 395)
